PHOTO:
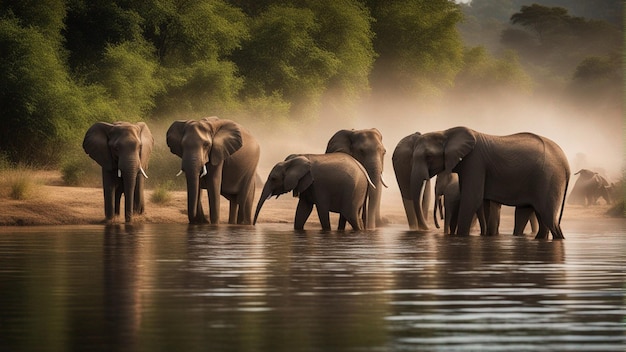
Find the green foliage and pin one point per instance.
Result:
(419, 47)
(39, 112)
(67, 64)
(483, 73)
(282, 57)
(129, 75)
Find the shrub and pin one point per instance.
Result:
(72, 173)
(161, 194)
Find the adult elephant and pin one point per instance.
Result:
(220, 156)
(333, 182)
(122, 149)
(366, 146)
(402, 160)
(589, 187)
(522, 169)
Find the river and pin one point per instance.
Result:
(267, 288)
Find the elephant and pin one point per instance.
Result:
(447, 187)
(366, 146)
(333, 182)
(589, 187)
(221, 156)
(447, 196)
(522, 169)
(123, 150)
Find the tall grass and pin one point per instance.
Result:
(18, 183)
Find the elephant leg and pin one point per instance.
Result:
(200, 219)
(467, 209)
(232, 212)
(355, 221)
(534, 223)
(409, 209)
(342, 223)
(119, 190)
(245, 205)
(493, 220)
(108, 188)
(303, 210)
(522, 215)
(214, 187)
(542, 232)
(139, 202)
(323, 213)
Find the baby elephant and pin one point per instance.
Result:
(333, 182)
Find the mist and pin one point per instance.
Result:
(590, 138)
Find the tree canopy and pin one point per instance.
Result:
(65, 64)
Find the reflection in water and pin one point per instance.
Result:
(166, 287)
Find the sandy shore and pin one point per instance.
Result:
(56, 204)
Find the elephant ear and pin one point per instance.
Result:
(147, 143)
(460, 141)
(174, 137)
(341, 142)
(298, 175)
(227, 139)
(96, 144)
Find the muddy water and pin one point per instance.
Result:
(179, 287)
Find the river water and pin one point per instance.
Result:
(268, 288)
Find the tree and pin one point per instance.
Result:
(193, 41)
(419, 47)
(283, 57)
(41, 110)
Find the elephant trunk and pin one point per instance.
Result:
(194, 169)
(265, 194)
(129, 178)
(193, 195)
(374, 194)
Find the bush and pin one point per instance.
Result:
(22, 188)
(81, 171)
(161, 194)
(18, 183)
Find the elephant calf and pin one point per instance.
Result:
(334, 182)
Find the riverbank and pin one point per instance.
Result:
(52, 203)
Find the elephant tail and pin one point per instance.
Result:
(563, 201)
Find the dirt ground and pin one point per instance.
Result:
(52, 203)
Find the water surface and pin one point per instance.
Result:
(189, 288)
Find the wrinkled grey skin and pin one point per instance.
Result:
(523, 170)
(333, 182)
(220, 156)
(123, 150)
(589, 187)
(366, 146)
(415, 204)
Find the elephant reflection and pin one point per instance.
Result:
(122, 149)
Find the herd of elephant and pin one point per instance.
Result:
(477, 173)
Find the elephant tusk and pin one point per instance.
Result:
(143, 172)
(179, 172)
(119, 173)
(204, 172)
(382, 180)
